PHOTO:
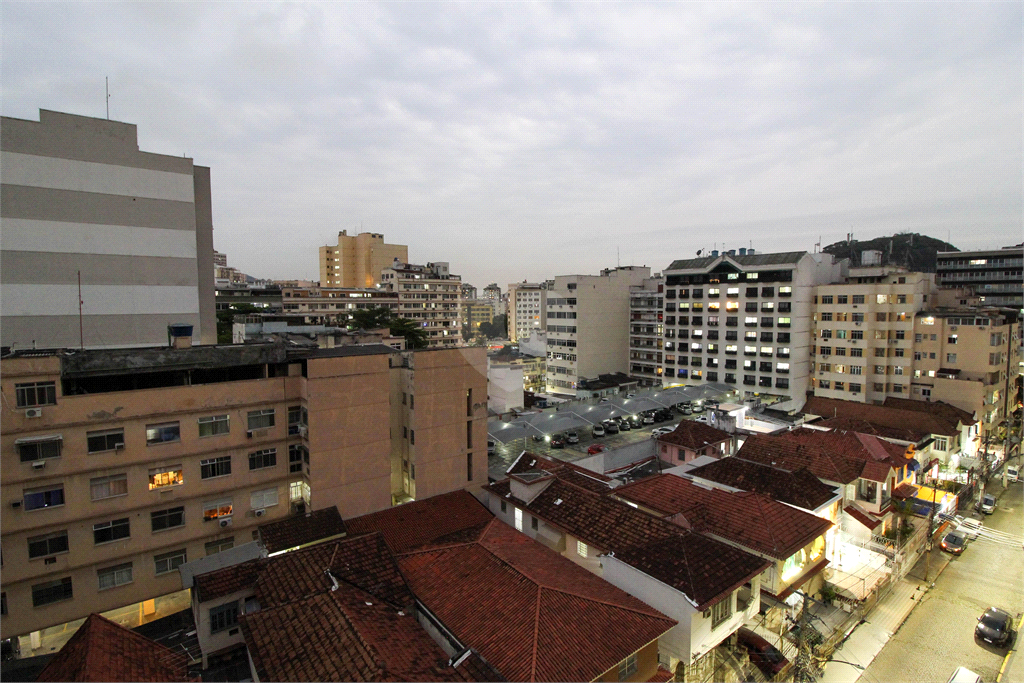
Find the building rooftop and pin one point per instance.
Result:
(799, 488)
(579, 476)
(450, 517)
(298, 530)
(901, 419)
(742, 260)
(694, 435)
(777, 451)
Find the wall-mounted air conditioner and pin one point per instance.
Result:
(224, 522)
(39, 464)
(259, 512)
(34, 412)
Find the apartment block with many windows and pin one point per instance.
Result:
(333, 305)
(994, 276)
(119, 465)
(430, 296)
(357, 260)
(527, 306)
(646, 346)
(744, 319)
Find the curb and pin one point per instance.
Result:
(1009, 655)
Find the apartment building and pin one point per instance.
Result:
(104, 245)
(475, 313)
(994, 276)
(863, 346)
(770, 294)
(120, 465)
(358, 260)
(588, 326)
(429, 295)
(646, 330)
(492, 292)
(527, 305)
(333, 305)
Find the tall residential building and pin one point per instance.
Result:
(588, 326)
(358, 260)
(646, 328)
(864, 333)
(994, 276)
(429, 295)
(526, 309)
(745, 319)
(492, 292)
(468, 291)
(103, 245)
(120, 465)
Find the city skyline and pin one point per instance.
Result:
(527, 141)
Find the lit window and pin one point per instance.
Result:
(162, 433)
(581, 548)
(160, 477)
(220, 508)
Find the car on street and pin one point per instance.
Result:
(630, 395)
(611, 427)
(558, 441)
(648, 419)
(702, 418)
(971, 527)
(698, 407)
(658, 431)
(1012, 472)
(988, 504)
(596, 448)
(763, 654)
(636, 421)
(954, 542)
(994, 626)
(572, 437)
(598, 430)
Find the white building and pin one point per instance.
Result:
(429, 295)
(526, 307)
(646, 329)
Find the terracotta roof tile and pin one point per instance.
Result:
(694, 435)
(102, 650)
(301, 529)
(800, 488)
(580, 476)
(424, 521)
(905, 491)
(877, 455)
(792, 455)
(749, 519)
(861, 516)
(221, 582)
(535, 615)
(661, 676)
(896, 416)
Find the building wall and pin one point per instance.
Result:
(646, 666)
(505, 383)
(78, 196)
(358, 260)
(646, 331)
(431, 297)
(527, 304)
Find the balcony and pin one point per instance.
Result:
(749, 381)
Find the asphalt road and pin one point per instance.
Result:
(939, 634)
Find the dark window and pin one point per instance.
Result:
(782, 383)
(265, 458)
(50, 544)
(213, 425)
(108, 440)
(52, 591)
(469, 433)
(168, 562)
(223, 617)
(295, 457)
(752, 291)
(730, 335)
(767, 322)
(783, 338)
(766, 336)
(162, 433)
(36, 394)
(39, 450)
(36, 499)
(260, 419)
(712, 334)
(751, 307)
(215, 467)
(167, 519)
(469, 467)
(104, 532)
(712, 376)
(730, 363)
(767, 291)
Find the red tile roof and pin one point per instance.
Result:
(580, 476)
(861, 516)
(221, 582)
(535, 615)
(749, 519)
(908, 417)
(800, 488)
(102, 650)
(905, 491)
(694, 435)
(299, 530)
(877, 455)
(778, 451)
(430, 520)
(661, 676)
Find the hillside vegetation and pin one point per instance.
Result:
(909, 249)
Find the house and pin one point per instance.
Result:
(103, 650)
(791, 539)
(691, 439)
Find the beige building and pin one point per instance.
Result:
(429, 295)
(476, 313)
(333, 305)
(587, 320)
(645, 332)
(863, 344)
(119, 465)
(527, 304)
(357, 260)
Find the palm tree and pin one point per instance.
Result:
(371, 318)
(415, 337)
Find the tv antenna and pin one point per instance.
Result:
(107, 79)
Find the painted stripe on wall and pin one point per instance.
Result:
(99, 330)
(23, 234)
(35, 300)
(46, 204)
(87, 176)
(42, 268)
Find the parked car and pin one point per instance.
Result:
(636, 421)
(599, 430)
(988, 504)
(538, 437)
(630, 395)
(698, 407)
(1012, 472)
(687, 410)
(763, 654)
(558, 441)
(596, 448)
(624, 424)
(971, 527)
(648, 419)
(964, 675)
(605, 400)
(658, 431)
(611, 427)
(702, 418)
(572, 437)
(994, 626)
(954, 542)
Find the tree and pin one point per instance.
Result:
(226, 318)
(371, 318)
(380, 316)
(415, 337)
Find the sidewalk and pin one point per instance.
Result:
(870, 636)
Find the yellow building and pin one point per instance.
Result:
(119, 465)
(477, 313)
(357, 260)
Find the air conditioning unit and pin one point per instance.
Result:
(119, 446)
(257, 433)
(39, 464)
(224, 522)
(34, 412)
(303, 431)
(259, 512)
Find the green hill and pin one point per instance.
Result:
(909, 249)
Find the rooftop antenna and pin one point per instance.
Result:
(81, 331)
(107, 79)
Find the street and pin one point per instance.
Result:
(939, 634)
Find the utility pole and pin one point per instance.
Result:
(928, 543)
(803, 656)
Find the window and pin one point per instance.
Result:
(219, 508)
(581, 548)
(47, 497)
(213, 425)
(412, 437)
(159, 477)
(264, 498)
(220, 545)
(856, 369)
(36, 394)
(824, 383)
(627, 667)
(518, 519)
(469, 433)
(826, 299)
(168, 562)
(167, 519)
(107, 440)
(215, 467)
(940, 444)
(264, 458)
(297, 454)
(469, 467)
(162, 433)
(114, 530)
(261, 419)
(39, 448)
(223, 617)
(108, 487)
(854, 387)
(52, 591)
(721, 611)
(50, 544)
(785, 322)
(826, 317)
(950, 357)
(118, 575)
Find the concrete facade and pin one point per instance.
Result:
(646, 328)
(78, 196)
(527, 304)
(357, 260)
(429, 295)
(994, 276)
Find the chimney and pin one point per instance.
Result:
(179, 336)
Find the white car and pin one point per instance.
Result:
(655, 433)
(971, 527)
(702, 418)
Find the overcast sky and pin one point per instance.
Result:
(523, 141)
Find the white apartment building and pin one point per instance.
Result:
(429, 295)
(745, 319)
(646, 330)
(527, 303)
(588, 326)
